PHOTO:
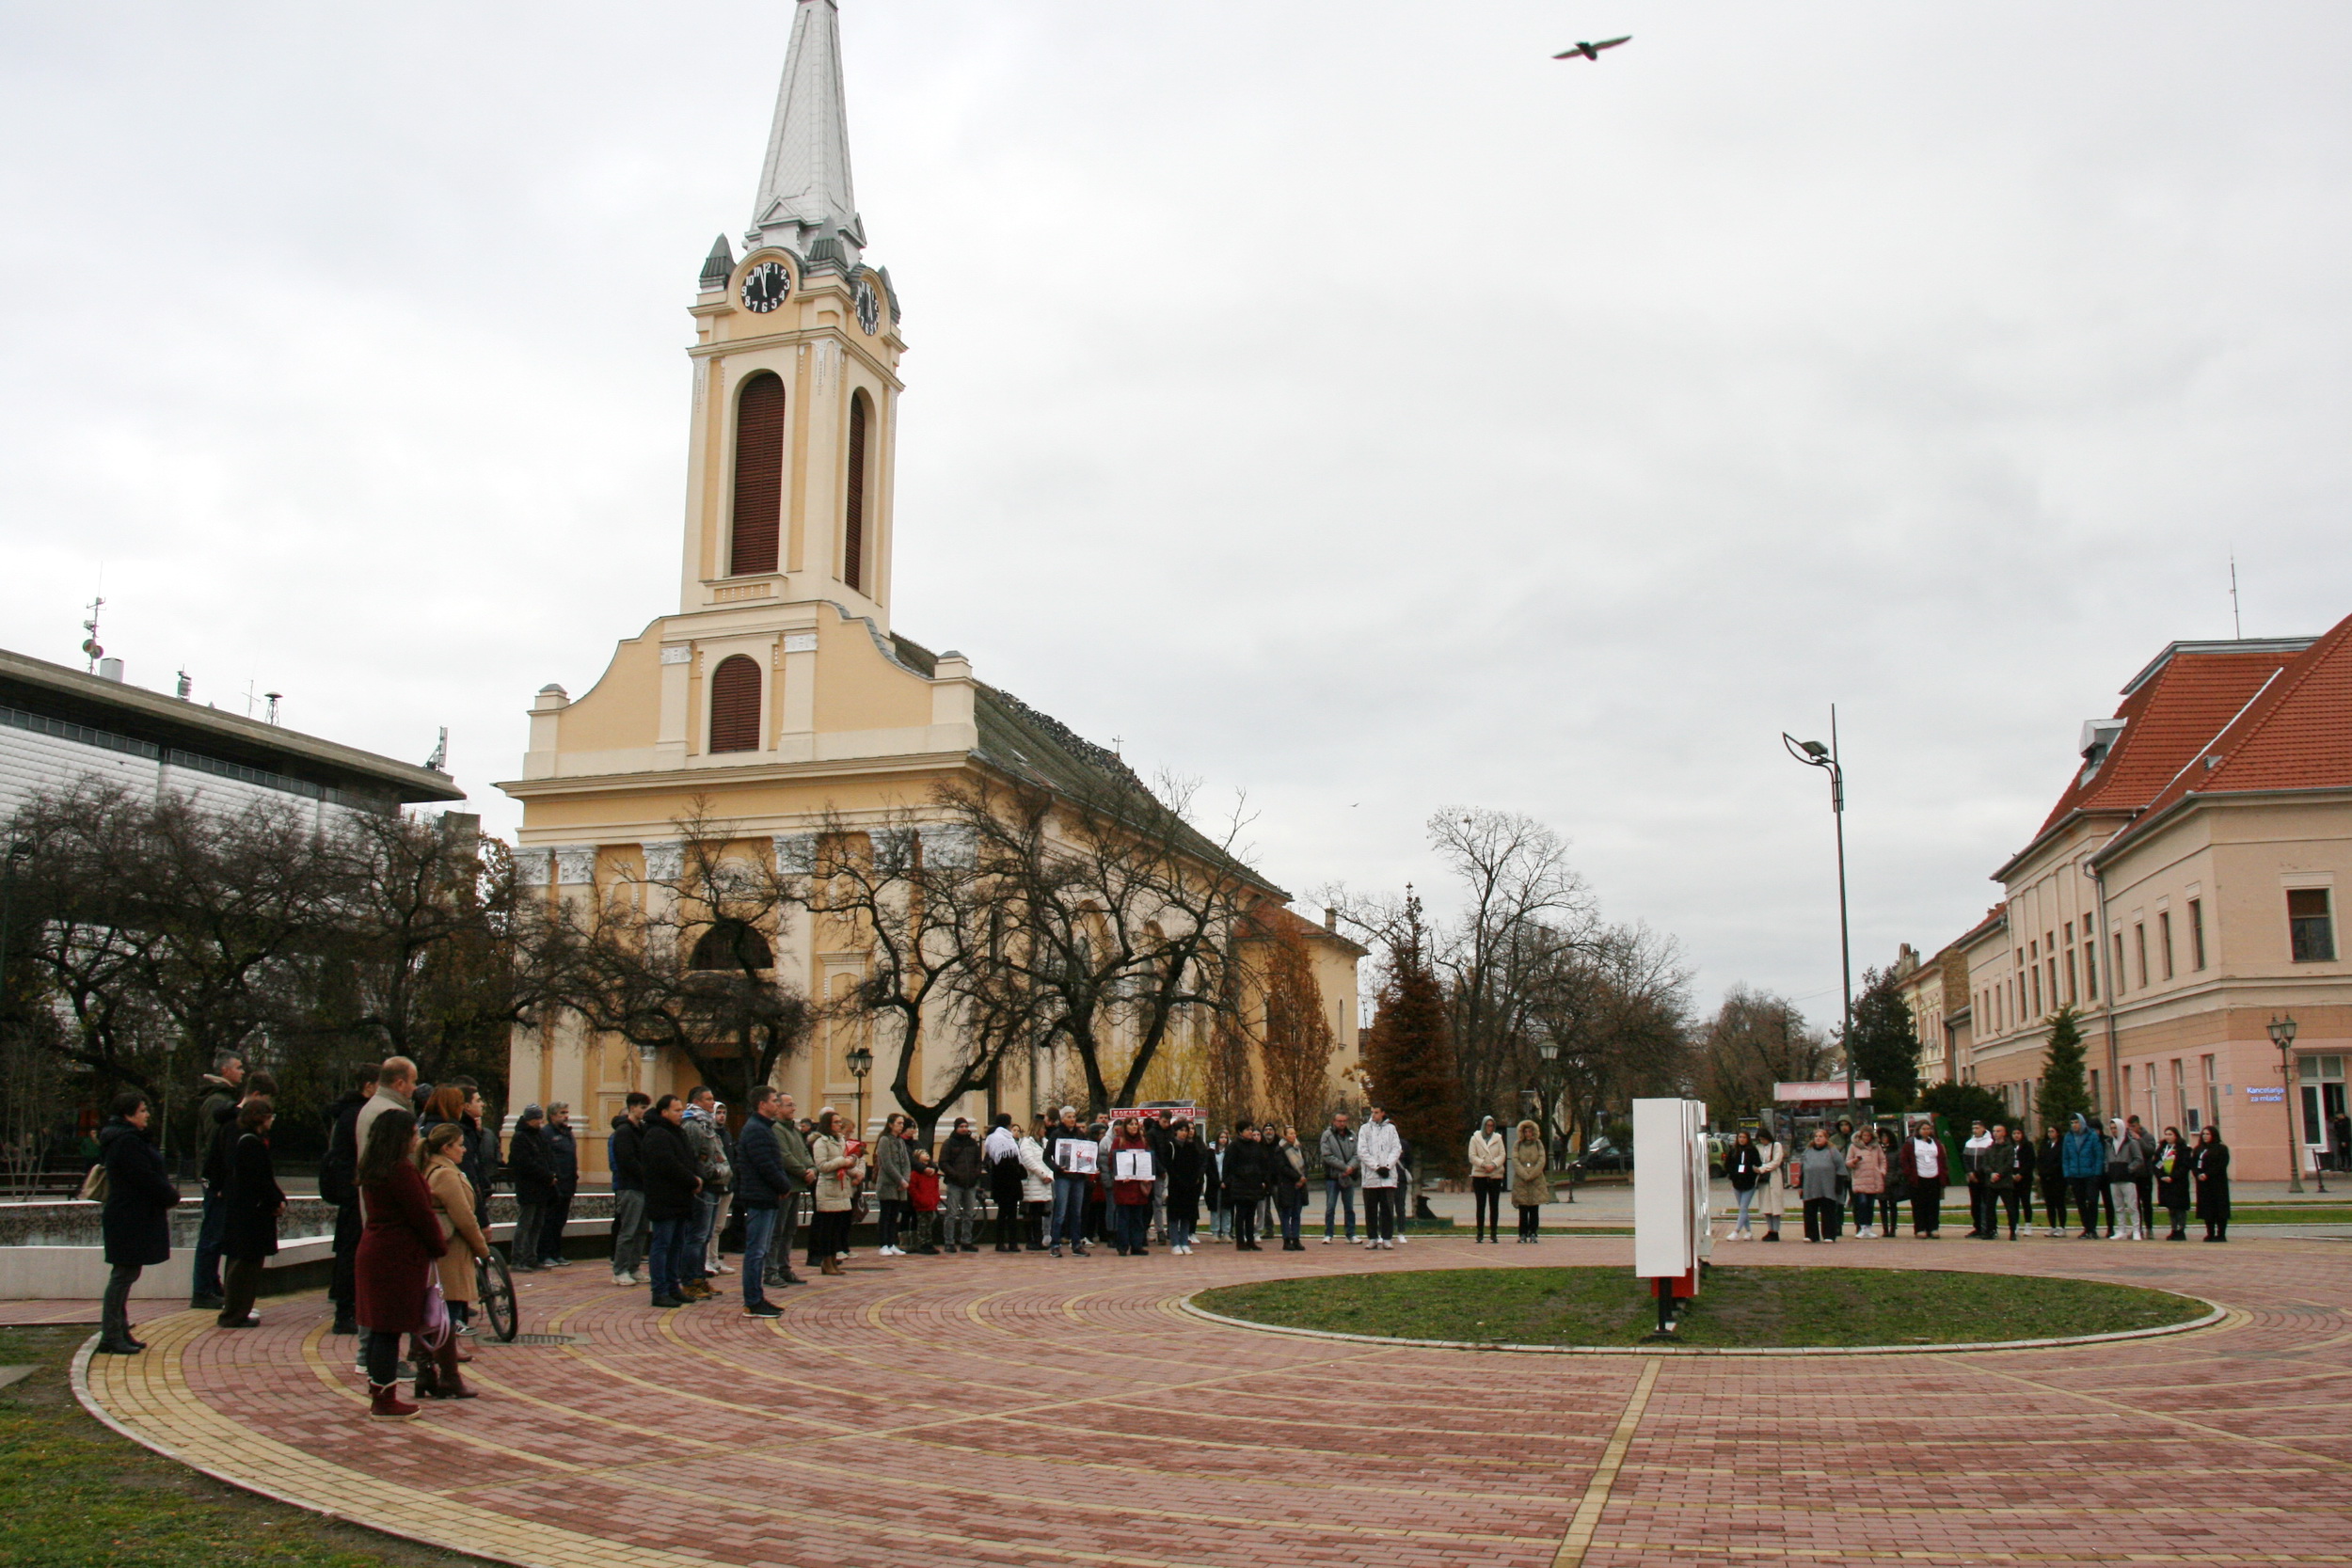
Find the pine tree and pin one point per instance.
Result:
(1885, 1041)
(1408, 1052)
(2063, 1094)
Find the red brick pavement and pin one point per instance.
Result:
(1028, 1410)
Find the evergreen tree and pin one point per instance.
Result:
(1885, 1041)
(1408, 1052)
(2064, 1092)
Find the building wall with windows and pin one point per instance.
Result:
(2185, 893)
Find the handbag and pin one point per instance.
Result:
(436, 1324)
(95, 1185)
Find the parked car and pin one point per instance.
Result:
(1600, 1155)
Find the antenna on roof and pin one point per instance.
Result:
(273, 697)
(439, 761)
(2236, 630)
(90, 643)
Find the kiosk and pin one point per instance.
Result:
(1671, 1235)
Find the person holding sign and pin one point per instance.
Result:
(1073, 1155)
(1135, 1174)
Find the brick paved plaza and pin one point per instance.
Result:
(1027, 1410)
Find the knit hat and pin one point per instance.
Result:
(532, 1113)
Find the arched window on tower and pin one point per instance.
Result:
(735, 946)
(758, 476)
(853, 531)
(735, 704)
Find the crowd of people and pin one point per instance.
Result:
(2124, 1174)
(410, 1169)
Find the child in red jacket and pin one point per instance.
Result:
(923, 1198)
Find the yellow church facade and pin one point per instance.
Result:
(777, 700)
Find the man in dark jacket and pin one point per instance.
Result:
(792, 1147)
(1338, 1153)
(666, 1165)
(534, 1188)
(132, 1223)
(339, 1185)
(960, 1186)
(631, 1229)
(220, 1090)
(563, 1169)
(1073, 1155)
(762, 1184)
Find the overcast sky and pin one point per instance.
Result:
(1341, 402)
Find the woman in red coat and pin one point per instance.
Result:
(1134, 1172)
(395, 1264)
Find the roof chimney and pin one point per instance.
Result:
(1330, 918)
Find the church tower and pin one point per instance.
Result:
(776, 703)
(796, 383)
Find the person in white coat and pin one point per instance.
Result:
(1037, 1192)
(1380, 1155)
(1489, 1160)
(1774, 1171)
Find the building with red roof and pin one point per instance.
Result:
(2182, 895)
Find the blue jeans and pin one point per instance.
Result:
(1335, 1192)
(1288, 1206)
(1131, 1223)
(208, 1234)
(669, 1245)
(1069, 1209)
(1747, 1200)
(708, 1207)
(758, 1225)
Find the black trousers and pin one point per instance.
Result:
(240, 1287)
(2090, 1191)
(1927, 1208)
(552, 1229)
(1380, 1212)
(1008, 1196)
(1245, 1224)
(1528, 1213)
(342, 1288)
(1981, 1220)
(828, 1235)
(2015, 1201)
(114, 1311)
(1823, 1216)
(2053, 1199)
(1487, 1191)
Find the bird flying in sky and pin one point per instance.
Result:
(1592, 51)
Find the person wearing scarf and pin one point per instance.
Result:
(1972, 1159)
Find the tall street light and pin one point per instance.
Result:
(1549, 1051)
(1814, 755)
(2282, 1036)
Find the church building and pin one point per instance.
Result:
(778, 697)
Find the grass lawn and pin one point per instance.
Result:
(73, 1495)
(1737, 1307)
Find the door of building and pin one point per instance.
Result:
(2323, 1097)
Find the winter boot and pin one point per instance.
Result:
(384, 1403)
(448, 1383)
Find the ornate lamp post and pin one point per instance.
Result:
(1549, 1051)
(2282, 1036)
(861, 1063)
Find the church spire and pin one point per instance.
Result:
(804, 193)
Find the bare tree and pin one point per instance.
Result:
(1296, 1037)
(934, 929)
(1756, 1039)
(685, 958)
(1122, 915)
(1615, 1007)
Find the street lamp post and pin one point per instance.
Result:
(861, 1063)
(1549, 1051)
(1814, 755)
(2282, 1036)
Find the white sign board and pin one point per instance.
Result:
(1832, 1091)
(1670, 1228)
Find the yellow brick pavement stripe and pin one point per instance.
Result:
(146, 1399)
(1586, 1520)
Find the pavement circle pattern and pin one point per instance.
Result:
(1027, 1410)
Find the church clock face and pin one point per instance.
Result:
(765, 287)
(869, 307)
